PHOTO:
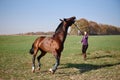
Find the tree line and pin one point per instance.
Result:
(93, 28)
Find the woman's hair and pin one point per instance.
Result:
(85, 33)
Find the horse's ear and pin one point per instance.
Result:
(61, 20)
(65, 19)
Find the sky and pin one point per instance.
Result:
(21, 16)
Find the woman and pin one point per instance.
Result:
(84, 42)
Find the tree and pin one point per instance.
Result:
(93, 28)
(82, 24)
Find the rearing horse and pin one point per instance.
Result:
(54, 44)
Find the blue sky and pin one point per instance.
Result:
(20, 16)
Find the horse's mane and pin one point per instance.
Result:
(57, 29)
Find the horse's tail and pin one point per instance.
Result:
(32, 50)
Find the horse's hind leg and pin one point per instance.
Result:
(39, 57)
(33, 60)
(33, 63)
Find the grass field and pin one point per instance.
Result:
(103, 61)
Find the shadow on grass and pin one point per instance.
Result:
(88, 67)
(97, 57)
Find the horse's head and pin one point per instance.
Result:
(68, 21)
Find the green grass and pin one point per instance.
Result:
(103, 61)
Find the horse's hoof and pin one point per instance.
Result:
(38, 68)
(33, 71)
(52, 71)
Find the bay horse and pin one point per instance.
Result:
(54, 44)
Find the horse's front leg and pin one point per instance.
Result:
(57, 57)
(33, 63)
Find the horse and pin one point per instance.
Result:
(53, 44)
